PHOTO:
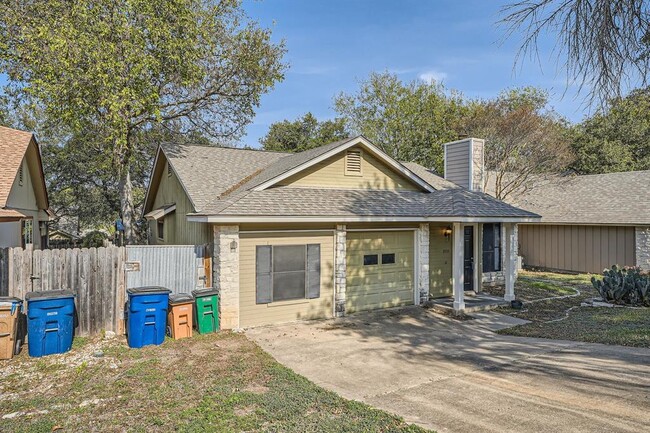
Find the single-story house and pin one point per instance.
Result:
(326, 232)
(23, 196)
(588, 223)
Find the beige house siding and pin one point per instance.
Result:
(23, 198)
(178, 231)
(331, 174)
(576, 248)
(440, 262)
(252, 314)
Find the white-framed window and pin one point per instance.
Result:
(27, 231)
(160, 228)
(491, 247)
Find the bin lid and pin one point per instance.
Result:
(147, 290)
(9, 301)
(180, 298)
(48, 294)
(208, 291)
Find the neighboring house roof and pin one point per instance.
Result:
(14, 144)
(229, 182)
(602, 199)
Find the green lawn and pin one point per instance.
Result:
(565, 319)
(216, 383)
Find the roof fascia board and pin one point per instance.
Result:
(234, 219)
(352, 142)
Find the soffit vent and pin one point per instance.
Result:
(353, 162)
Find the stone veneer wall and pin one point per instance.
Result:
(423, 262)
(642, 245)
(226, 274)
(340, 269)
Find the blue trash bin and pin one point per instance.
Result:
(50, 322)
(146, 318)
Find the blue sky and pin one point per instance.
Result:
(332, 44)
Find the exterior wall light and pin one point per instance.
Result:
(233, 246)
(446, 232)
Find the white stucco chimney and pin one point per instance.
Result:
(464, 163)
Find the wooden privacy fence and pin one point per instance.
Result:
(94, 275)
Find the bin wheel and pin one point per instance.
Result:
(19, 344)
(169, 331)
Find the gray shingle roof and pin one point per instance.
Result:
(220, 181)
(429, 176)
(206, 172)
(613, 198)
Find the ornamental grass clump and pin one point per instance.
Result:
(624, 286)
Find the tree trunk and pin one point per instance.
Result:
(126, 201)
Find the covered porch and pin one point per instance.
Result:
(465, 267)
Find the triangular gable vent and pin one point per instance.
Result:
(353, 162)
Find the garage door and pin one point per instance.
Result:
(379, 270)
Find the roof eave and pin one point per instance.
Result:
(236, 219)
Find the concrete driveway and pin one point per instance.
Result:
(453, 376)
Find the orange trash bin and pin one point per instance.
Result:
(10, 341)
(179, 318)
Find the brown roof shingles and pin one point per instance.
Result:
(13, 145)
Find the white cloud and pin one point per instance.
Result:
(432, 75)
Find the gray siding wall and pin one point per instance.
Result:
(457, 163)
(575, 247)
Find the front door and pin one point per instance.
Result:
(468, 262)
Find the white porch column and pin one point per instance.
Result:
(457, 264)
(510, 264)
(226, 274)
(423, 263)
(340, 269)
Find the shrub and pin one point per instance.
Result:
(94, 239)
(627, 285)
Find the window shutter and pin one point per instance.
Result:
(313, 271)
(263, 276)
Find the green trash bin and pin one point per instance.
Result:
(206, 310)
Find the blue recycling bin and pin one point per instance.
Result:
(146, 318)
(50, 322)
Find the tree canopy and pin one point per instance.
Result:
(617, 138)
(524, 139)
(117, 68)
(409, 121)
(303, 133)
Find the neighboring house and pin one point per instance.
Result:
(325, 232)
(588, 222)
(23, 195)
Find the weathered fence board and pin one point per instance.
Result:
(94, 275)
(98, 278)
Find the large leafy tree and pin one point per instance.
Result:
(524, 139)
(116, 68)
(409, 121)
(303, 133)
(617, 138)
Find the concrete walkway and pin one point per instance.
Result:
(453, 376)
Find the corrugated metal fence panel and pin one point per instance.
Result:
(576, 248)
(180, 268)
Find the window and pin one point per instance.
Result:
(388, 259)
(287, 272)
(353, 163)
(370, 259)
(491, 247)
(20, 175)
(161, 228)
